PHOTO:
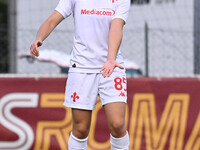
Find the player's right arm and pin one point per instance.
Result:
(46, 28)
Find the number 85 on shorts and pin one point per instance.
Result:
(120, 85)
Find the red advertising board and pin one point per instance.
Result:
(162, 114)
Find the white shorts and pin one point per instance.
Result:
(82, 89)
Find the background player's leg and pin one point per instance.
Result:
(80, 129)
(115, 115)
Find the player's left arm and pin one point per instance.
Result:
(114, 42)
(115, 36)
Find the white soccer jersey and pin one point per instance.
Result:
(92, 20)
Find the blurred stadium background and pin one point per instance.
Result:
(161, 36)
(161, 45)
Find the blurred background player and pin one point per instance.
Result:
(96, 66)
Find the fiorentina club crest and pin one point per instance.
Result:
(74, 96)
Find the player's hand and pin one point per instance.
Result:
(108, 68)
(34, 50)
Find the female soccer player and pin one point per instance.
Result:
(96, 66)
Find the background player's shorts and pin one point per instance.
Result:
(82, 89)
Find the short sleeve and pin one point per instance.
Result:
(122, 10)
(65, 7)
